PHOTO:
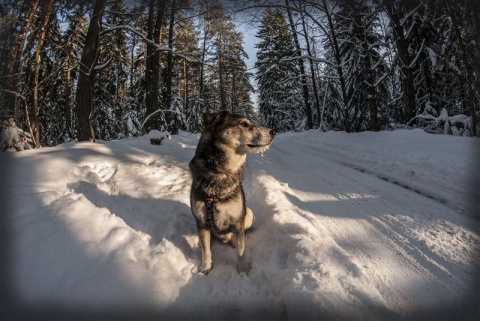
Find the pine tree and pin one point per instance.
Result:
(467, 36)
(52, 111)
(154, 116)
(86, 80)
(229, 57)
(280, 99)
(15, 33)
(356, 23)
(188, 70)
(403, 25)
(301, 65)
(316, 114)
(68, 61)
(112, 73)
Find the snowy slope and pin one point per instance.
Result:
(363, 226)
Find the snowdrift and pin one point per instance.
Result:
(348, 226)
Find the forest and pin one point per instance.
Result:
(112, 69)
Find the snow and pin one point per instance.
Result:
(348, 226)
(12, 137)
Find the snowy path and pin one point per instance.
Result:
(108, 226)
(388, 247)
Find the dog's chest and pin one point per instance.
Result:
(227, 214)
(224, 213)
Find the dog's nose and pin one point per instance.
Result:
(272, 132)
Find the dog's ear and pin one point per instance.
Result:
(210, 118)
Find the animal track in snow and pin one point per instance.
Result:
(99, 174)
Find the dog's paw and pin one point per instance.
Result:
(205, 269)
(244, 267)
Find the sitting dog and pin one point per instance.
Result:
(217, 199)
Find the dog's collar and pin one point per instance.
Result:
(209, 203)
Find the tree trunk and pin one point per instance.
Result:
(34, 115)
(150, 100)
(312, 71)
(338, 62)
(206, 32)
(234, 91)
(185, 85)
(68, 92)
(168, 95)
(133, 79)
(401, 44)
(308, 108)
(152, 70)
(369, 75)
(87, 74)
(372, 92)
(13, 68)
(71, 62)
(221, 75)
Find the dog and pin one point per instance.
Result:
(217, 199)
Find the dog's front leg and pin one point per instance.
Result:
(205, 237)
(242, 264)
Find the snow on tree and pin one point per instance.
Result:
(13, 137)
(280, 98)
(130, 120)
(356, 23)
(169, 61)
(457, 125)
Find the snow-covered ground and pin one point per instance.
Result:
(348, 226)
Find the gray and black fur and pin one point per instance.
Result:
(217, 199)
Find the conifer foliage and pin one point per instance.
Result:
(99, 69)
(280, 101)
(96, 69)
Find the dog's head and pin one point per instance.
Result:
(237, 132)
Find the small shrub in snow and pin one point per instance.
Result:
(13, 137)
(457, 125)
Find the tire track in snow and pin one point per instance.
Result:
(441, 196)
(395, 244)
(322, 272)
(417, 250)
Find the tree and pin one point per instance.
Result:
(211, 9)
(34, 116)
(468, 56)
(312, 68)
(112, 73)
(84, 95)
(156, 14)
(13, 68)
(280, 99)
(400, 14)
(54, 85)
(356, 23)
(303, 77)
(68, 58)
(187, 68)
(174, 112)
(234, 86)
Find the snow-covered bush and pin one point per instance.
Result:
(457, 125)
(13, 137)
(130, 121)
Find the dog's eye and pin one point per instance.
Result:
(245, 124)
